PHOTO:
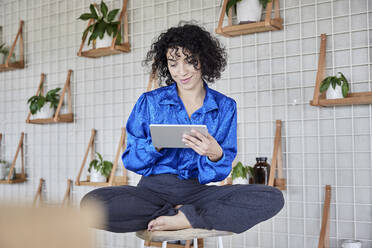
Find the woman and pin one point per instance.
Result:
(172, 194)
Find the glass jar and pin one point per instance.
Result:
(261, 171)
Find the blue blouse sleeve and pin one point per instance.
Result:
(140, 155)
(227, 138)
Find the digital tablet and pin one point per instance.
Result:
(170, 135)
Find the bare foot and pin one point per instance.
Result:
(175, 222)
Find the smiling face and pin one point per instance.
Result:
(182, 70)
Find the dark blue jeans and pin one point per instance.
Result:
(234, 208)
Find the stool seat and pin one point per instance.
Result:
(184, 234)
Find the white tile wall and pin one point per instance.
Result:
(271, 76)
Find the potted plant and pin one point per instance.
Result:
(339, 89)
(104, 24)
(4, 53)
(4, 170)
(247, 11)
(239, 174)
(99, 169)
(42, 107)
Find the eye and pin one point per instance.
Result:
(172, 65)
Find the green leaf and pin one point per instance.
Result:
(345, 89)
(325, 84)
(109, 29)
(333, 82)
(239, 171)
(101, 27)
(104, 9)
(99, 156)
(86, 16)
(54, 91)
(118, 39)
(112, 14)
(93, 11)
(93, 164)
(230, 3)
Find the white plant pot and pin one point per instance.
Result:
(3, 171)
(248, 11)
(334, 93)
(105, 42)
(240, 180)
(45, 112)
(96, 176)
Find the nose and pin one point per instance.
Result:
(182, 70)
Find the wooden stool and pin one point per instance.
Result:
(185, 234)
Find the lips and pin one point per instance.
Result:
(186, 80)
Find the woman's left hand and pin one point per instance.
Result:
(203, 145)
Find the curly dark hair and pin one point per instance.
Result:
(197, 44)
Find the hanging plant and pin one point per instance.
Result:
(103, 23)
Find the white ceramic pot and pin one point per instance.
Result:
(96, 176)
(3, 171)
(351, 244)
(105, 42)
(248, 11)
(334, 93)
(11, 176)
(45, 112)
(240, 180)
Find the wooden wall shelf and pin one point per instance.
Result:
(66, 202)
(39, 194)
(8, 66)
(319, 99)
(277, 160)
(267, 25)
(113, 49)
(324, 231)
(19, 177)
(113, 180)
(68, 117)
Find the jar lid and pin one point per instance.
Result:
(261, 159)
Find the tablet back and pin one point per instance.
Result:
(170, 135)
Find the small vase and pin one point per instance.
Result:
(240, 180)
(45, 112)
(105, 42)
(334, 93)
(96, 176)
(248, 11)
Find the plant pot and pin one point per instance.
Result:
(240, 180)
(45, 112)
(334, 93)
(3, 171)
(105, 42)
(96, 176)
(348, 243)
(248, 11)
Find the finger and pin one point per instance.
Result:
(191, 140)
(196, 148)
(199, 135)
(151, 225)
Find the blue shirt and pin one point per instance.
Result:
(164, 106)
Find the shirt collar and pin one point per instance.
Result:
(170, 97)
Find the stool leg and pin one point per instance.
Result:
(220, 244)
(142, 243)
(164, 244)
(195, 243)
